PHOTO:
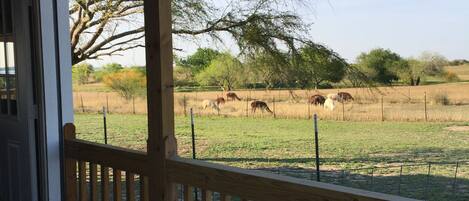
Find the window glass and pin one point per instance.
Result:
(8, 105)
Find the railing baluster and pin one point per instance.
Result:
(143, 188)
(117, 177)
(224, 197)
(207, 195)
(130, 185)
(105, 183)
(70, 167)
(82, 177)
(188, 193)
(94, 181)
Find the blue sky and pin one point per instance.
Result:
(350, 27)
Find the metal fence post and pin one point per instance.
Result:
(400, 181)
(273, 102)
(193, 135)
(455, 177)
(427, 185)
(82, 104)
(105, 125)
(372, 174)
(425, 103)
(316, 142)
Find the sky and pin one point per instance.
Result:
(351, 27)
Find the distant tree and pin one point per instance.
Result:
(225, 71)
(458, 62)
(381, 65)
(107, 69)
(200, 60)
(183, 76)
(267, 68)
(128, 83)
(81, 73)
(318, 65)
(433, 63)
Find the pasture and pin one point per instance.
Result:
(265, 142)
(401, 103)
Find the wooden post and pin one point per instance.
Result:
(107, 102)
(184, 101)
(343, 110)
(273, 102)
(382, 108)
(70, 167)
(425, 103)
(133, 105)
(82, 104)
(160, 91)
(309, 109)
(247, 107)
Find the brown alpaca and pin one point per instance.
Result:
(344, 97)
(317, 100)
(261, 105)
(232, 96)
(220, 101)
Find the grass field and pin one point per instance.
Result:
(265, 142)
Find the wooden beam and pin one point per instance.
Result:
(106, 155)
(159, 62)
(261, 186)
(70, 167)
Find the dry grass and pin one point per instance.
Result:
(399, 103)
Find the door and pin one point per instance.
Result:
(18, 168)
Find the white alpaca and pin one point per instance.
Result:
(329, 104)
(210, 103)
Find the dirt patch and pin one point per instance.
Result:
(458, 128)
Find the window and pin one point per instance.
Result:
(8, 105)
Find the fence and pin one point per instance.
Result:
(427, 181)
(366, 107)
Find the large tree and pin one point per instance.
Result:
(319, 64)
(109, 27)
(382, 65)
(225, 71)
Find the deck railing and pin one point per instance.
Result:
(196, 180)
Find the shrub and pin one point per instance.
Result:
(128, 83)
(451, 77)
(81, 73)
(440, 98)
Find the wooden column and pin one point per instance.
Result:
(159, 57)
(70, 168)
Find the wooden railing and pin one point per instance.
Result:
(195, 180)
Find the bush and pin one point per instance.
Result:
(81, 73)
(128, 83)
(451, 77)
(440, 98)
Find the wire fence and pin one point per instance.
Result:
(426, 181)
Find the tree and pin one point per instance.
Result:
(427, 64)
(81, 73)
(266, 68)
(183, 76)
(225, 71)
(200, 60)
(433, 63)
(128, 83)
(109, 27)
(381, 65)
(107, 69)
(318, 65)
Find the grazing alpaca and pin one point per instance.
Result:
(210, 103)
(329, 104)
(232, 96)
(261, 105)
(317, 100)
(220, 101)
(344, 97)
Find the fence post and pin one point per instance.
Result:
(82, 104)
(343, 110)
(455, 177)
(316, 142)
(133, 105)
(309, 110)
(425, 103)
(400, 180)
(428, 180)
(105, 125)
(184, 102)
(382, 108)
(193, 135)
(273, 101)
(247, 107)
(372, 175)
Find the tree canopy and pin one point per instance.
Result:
(381, 65)
(109, 27)
(225, 71)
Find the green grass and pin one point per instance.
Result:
(265, 142)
